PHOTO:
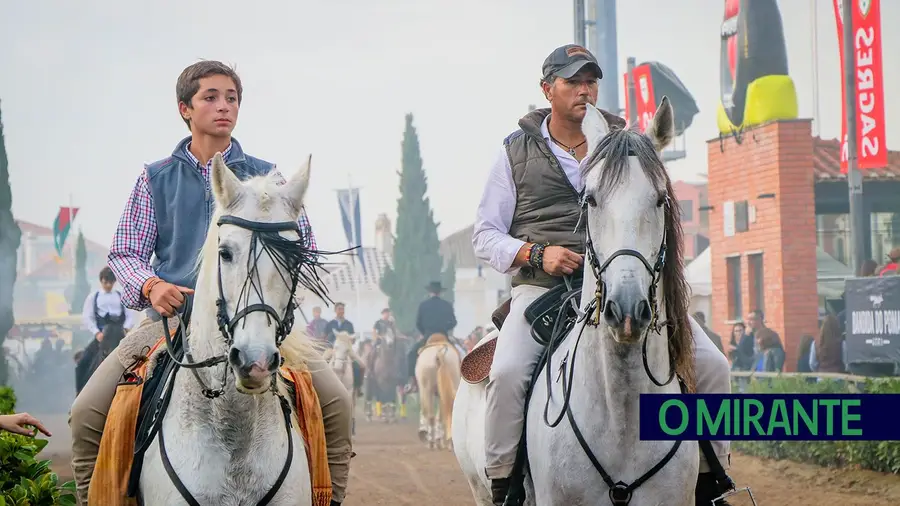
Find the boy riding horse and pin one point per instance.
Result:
(167, 215)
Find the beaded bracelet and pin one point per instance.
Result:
(537, 256)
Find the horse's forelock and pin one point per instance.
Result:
(613, 153)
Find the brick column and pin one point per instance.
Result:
(773, 158)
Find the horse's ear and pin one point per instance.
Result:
(594, 127)
(662, 127)
(295, 188)
(225, 185)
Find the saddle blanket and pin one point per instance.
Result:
(109, 483)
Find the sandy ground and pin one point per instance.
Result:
(393, 468)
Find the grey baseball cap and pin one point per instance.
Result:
(568, 60)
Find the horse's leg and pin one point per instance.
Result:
(425, 377)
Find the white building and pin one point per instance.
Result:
(479, 288)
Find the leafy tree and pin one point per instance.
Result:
(416, 260)
(10, 238)
(81, 289)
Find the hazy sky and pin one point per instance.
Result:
(88, 89)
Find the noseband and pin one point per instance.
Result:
(262, 233)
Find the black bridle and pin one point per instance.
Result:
(620, 493)
(598, 304)
(278, 248)
(291, 256)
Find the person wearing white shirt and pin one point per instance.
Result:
(105, 306)
(527, 225)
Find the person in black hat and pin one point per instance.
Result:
(435, 316)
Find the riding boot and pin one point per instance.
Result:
(499, 490)
(707, 490)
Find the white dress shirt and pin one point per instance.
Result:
(108, 303)
(491, 239)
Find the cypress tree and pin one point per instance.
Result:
(416, 260)
(10, 237)
(81, 288)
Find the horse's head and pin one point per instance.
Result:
(256, 261)
(630, 208)
(389, 337)
(113, 332)
(343, 343)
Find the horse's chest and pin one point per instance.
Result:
(216, 473)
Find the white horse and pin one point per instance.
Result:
(232, 449)
(340, 358)
(629, 216)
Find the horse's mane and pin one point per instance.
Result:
(297, 349)
(615, 148)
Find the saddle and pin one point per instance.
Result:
(438, 339)
(141, 399)
(543, 315)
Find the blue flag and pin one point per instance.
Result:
(348, 200)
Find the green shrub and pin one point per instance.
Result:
(7, 400)
(883, 456)
(24, 480)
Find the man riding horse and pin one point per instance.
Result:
(167, 215)
(526, 220)
(435, 316)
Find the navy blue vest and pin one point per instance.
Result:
(184, 206)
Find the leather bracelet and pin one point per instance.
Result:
(148, 285)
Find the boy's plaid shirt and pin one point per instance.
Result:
(135, 238)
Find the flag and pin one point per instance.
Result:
(348, 201)
(61, 226)
(871, 139)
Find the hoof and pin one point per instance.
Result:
(423, 435)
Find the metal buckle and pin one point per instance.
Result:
(734, 492)
(619, 495)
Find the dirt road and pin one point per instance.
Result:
(393, 468)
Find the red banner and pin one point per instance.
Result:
(871, 140)
(627, 105)
(645, 102)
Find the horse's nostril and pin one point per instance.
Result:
(613, 313)
(642, 311)
(275, 362)
(235, 357)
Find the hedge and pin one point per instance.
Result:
(882, 456)
(24, 480)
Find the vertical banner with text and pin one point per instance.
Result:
(869, 90)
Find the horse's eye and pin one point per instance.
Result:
(661, 201)
(591, 201)
(225, 254)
